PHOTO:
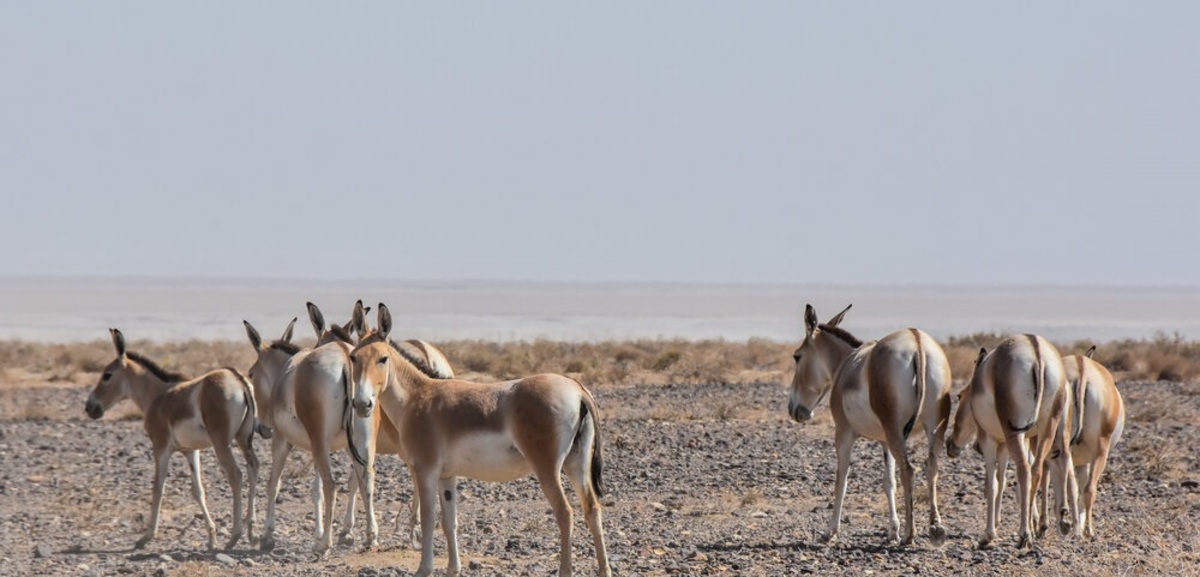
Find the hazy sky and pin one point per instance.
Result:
(890, 143)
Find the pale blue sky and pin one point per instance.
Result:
(891, 143)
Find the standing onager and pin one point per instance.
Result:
(272, 358)
(882, 390)
(1098, 423)
(214, 410)
(310, 408)
(1018, 392)
(545, 424)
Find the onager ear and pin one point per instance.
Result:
(287, 333)
(255, 340)
(982, 353)
(118, 340)
(385, 321)
(358, 319)
(837, 319)
(1091, 351)
(318, 320)
(810, 320)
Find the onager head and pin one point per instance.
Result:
(824, 348)
(965, 427)
(370, 370)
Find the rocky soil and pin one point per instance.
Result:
(703, 480)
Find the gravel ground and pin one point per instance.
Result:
(703, 480)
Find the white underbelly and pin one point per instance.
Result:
(485, 457)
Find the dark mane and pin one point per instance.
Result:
(149, 365)
(416, 361)
(285, 346)
(841, 334)
(340, 334)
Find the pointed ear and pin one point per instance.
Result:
(385, 321)
(982, 353)
(287, 333)
(318, 320)
(358, 319)
(837, 319)
(118, 340)
(1091, 351)
(255, 340)
(810, 320)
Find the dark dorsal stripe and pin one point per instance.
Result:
(421, 364)
(285, 346)
(162, 374)
(841, 334)
(340, 334)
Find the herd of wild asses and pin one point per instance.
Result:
(1056, 418)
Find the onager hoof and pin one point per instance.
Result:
(1025, 541)
(346, 538)
(267, 543)
(321, 549)
(141, 543)
(829, 538)
(1064, 526)
(233, 539)
(937, 535)
(985, 543)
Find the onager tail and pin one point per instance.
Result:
(587, 408)
(251, 410)
(920, 382)
(1080, 392)
(348, 419)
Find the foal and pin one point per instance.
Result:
(213, 410)
(882, 390)
(1018, 392)
(545, 424)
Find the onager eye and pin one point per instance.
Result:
(796, 357)
(106, 376)
(382, 360)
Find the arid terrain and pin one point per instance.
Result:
(705, 477)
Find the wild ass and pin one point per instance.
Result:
(1097, 423)
(883, 390)
(309, 408)
(269, 364)
(1017, 394)
(213, 410)
(545, 424)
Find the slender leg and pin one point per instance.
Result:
(425, 484)
(937, 532)
(1093, 481)
(578, 468)
(844, 438)
(1018, 453)
(162, 457)
(899, 452)
(366, 480)
(448, 489)
(318, 500)
(346, 532)
(251, 458)
(1001, 477)
(198, 495)
(234, 476)
(279, 453)
(889, 489)
(551, 480)
(324, 470)
(990, 458)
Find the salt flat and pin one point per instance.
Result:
(64, 309)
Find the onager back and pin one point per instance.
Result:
(882, 390)
(213, 410)
(1018, 391)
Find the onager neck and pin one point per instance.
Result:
(144, 386)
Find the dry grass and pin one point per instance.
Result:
(645, 361)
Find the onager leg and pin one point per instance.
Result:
(1019, 453)
(579, 473)
(325, 479)
(279, 453)
(844, 437)
(346, 531)
(198, 494)
(234, 476)
(245, 443)
(899, 452)
(936, 440)
(889, 490)
(549, 475)
(162, 456)
(1093, 481)
(990, 458)
(425, 484)
(448, 492)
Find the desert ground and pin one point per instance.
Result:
(706, 476)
